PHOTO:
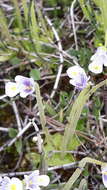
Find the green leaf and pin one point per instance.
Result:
(83, 184)
(64, 98)
(15, 61)
(79, 170)
(12, 132)
(76, 112)
(97, 106)
(18, 15)
(25, 9)
(34, 28)
(74, 143)
(4, 26)
(81, 125)
(49, 109)
(86, 8)
(34, 157)
(35, 74)
(18, 145)
(42, 113)
(54, 158)
(5, 57)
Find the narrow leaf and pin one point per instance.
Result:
(76, 112)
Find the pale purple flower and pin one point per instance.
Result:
(98, 60)
(100, 56)
(34, 180)
(26, 85)
(104, 175)
(11, 184)
(78, 77)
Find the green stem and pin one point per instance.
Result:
(41, 113)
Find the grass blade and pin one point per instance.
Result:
(4, 26)
(34, 28)
(76, 112)
(18, 14)
(25, 8)
(78, 171)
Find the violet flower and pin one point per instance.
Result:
(34, 180)
(25, 85)
(78, 77)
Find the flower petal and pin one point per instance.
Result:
(11, 89)
(26, 85)
(16, 184)
(23, 94)
(74, 71)
(19, 78)
(43, 180)
(80, 81)
(31, 180)
(1, 179)
(105, 62)
(95, 68)
(5, 183)
(99, 58)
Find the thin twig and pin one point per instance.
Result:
(3, 96)
(39, 139)
(20, 134)
(4, 129)
(52, 76)
(65, 167)
(60, 54)
(18, 162)
(17, 115)
(70, 152)
(73, 23)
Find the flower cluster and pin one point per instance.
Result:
(78, 77)
(31, 182)
(98, 60)
(22, 85)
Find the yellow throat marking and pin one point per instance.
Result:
(13, 88)
(13, 187)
